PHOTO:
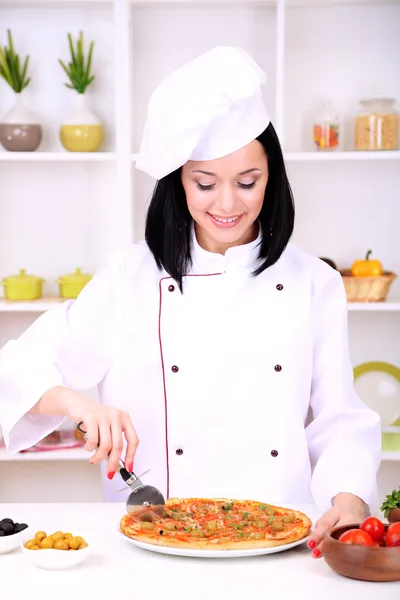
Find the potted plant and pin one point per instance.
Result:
(19, 129)
(391, 506)
(82, 132)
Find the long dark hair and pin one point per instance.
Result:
(169, 223)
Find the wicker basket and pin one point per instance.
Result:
(367, 289)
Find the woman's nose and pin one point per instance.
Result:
(226, 201)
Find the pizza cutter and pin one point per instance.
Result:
(141, 494)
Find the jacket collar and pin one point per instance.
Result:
(238, 258)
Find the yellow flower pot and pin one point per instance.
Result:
(72, 284)
(82, 132)
(22, 287)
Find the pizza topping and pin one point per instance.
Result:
(213, 522)
(147, 516)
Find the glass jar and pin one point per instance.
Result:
(376, 126)
(327, 134)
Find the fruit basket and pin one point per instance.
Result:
(366, 281)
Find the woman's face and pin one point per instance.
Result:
(225, 197)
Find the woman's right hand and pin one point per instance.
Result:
(105, 426)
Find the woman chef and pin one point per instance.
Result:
(217, 343)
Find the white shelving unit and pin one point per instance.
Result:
(61, 210)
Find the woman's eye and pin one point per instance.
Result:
(246, 186)
(205, 188)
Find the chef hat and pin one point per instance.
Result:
(206, 109)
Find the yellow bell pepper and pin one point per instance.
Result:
(367, 267)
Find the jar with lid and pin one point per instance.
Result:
(327, 134)
(376, 125)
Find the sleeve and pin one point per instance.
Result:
(71, 345)
(344, 435)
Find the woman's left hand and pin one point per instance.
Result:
(346, 509)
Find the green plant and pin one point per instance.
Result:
(10, 67)
(78, 70)
(392, 501)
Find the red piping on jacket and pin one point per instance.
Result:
(163, 368)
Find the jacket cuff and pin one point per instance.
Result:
(21, 430)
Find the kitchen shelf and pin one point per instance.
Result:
(289, 3)
(57, 156)
(75, 454)
(352, 156)
(35, 306)
(79, 454)
(373, 306)
(45, 304)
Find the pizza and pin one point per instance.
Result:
(216, 524)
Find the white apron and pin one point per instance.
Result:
(218, 381)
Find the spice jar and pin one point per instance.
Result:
(376, 126)
(327, 128)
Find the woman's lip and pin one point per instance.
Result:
(226, 223)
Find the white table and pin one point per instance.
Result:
(118, 570)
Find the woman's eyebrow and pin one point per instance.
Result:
(214, 174)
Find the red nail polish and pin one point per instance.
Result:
(110, 474)
(92, 462)
(312, 544)
(316, 553)
(130, 467)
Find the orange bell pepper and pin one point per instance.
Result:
(367, 267)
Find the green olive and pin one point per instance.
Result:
(197, 533)
(287, 519)
(147, 525)
(277, 526)
(40, 535)
(47, 543)
(169, 526)
(61, 544)
(74, 543)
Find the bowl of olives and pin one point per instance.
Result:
(11, 534)
(56, 550)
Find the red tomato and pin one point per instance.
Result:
(393, 535)
(374, 527)
(356, 537)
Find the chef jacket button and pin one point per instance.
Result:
(179, 451)
(279, 287)
(278, 368)
(274, 453)
(171, 288)
(174, 369)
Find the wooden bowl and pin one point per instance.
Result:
(360, 562)
(394, 515)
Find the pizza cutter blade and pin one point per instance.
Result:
(141, 494)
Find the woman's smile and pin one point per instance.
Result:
(225, 222)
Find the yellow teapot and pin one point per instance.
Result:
(72, 284)
(22, 287)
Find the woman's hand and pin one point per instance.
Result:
(346, 509)
(105, 426)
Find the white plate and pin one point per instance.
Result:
(212, 553)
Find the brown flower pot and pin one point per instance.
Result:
(19, 129)
(394, 515)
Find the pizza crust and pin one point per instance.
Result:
(299, 531)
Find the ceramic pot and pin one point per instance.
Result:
(72, 284)
(83, 131)
(22, 287)
(394, 515)
(19, 129)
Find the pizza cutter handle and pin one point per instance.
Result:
(126, 475)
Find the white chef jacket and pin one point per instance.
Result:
(220, 381)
